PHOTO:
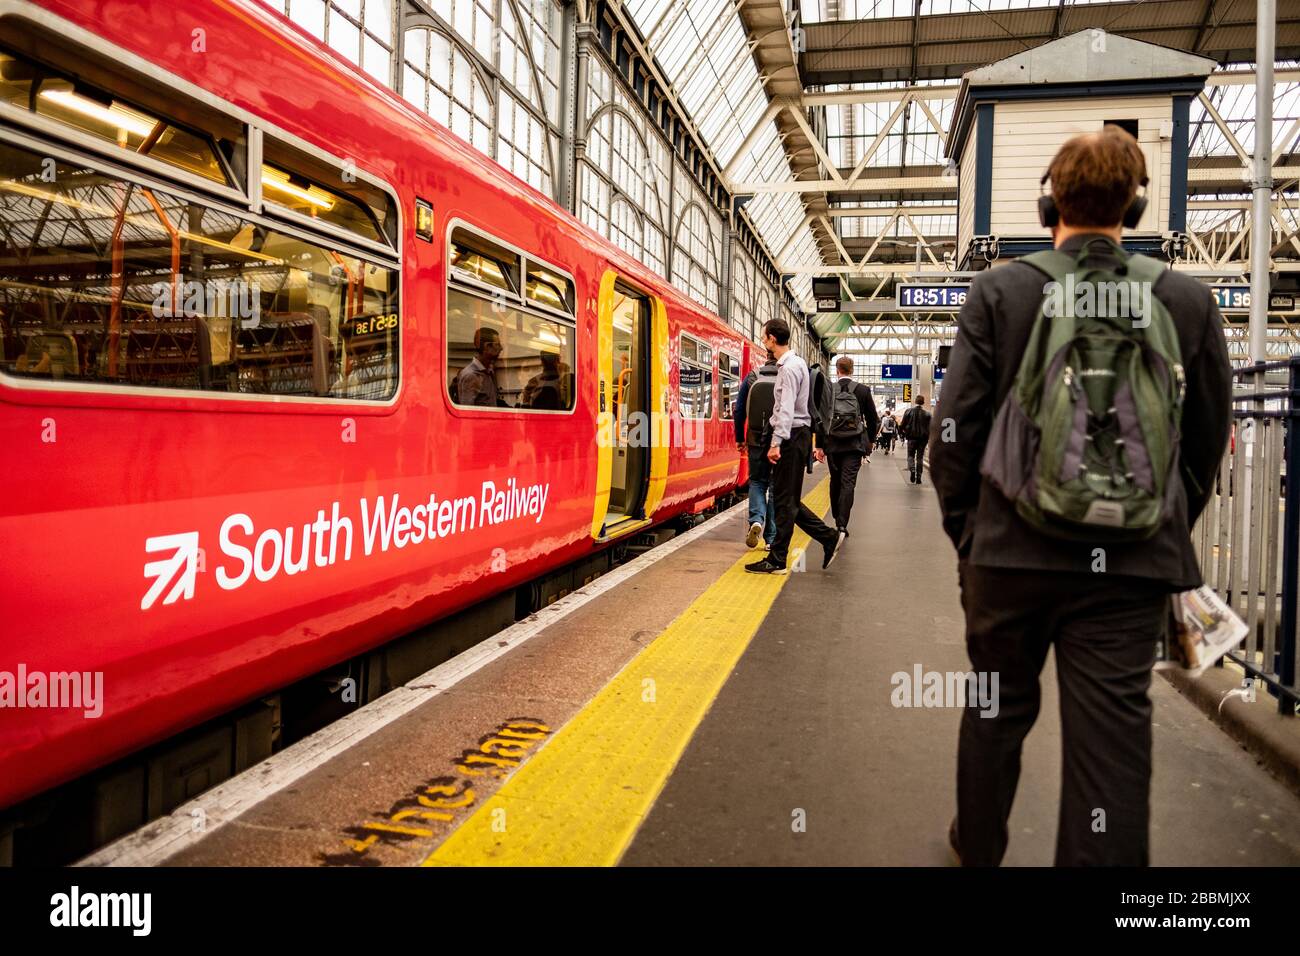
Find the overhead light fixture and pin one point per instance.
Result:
(273, 178)
(116, 116)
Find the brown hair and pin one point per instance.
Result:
(779, 329)
(1095, 176)
(844, 364)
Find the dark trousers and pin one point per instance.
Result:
(844, 466)
(916, 456)
(787, 490)
(1104, 629)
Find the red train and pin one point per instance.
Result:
(248, 301)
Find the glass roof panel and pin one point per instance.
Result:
(702, 48)
(1235, 103)
(817, 11)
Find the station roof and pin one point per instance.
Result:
(877, 81)
(863, 41)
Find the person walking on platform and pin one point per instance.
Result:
(916, 429)
(1074, 536)
(754, 403)
(848, 439)
(788, 452)
(888, 430)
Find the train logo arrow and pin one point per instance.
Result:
(182, 567)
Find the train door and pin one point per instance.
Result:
(631, 381)
(630, 406)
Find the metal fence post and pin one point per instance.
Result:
(1287, 649)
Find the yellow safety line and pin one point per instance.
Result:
(581, 798)
(704, 471)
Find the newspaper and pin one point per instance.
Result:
(1204, 628)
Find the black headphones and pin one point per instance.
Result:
(1050, 216)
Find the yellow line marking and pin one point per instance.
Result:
(731, 465)
(389, 828)
(581, 798)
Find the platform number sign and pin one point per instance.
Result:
(896, 373)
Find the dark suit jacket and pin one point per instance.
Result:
(992, 331)
(869, 415)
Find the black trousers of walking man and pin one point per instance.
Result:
(787, 490)
(916, 457)
(844, 467)
(1104, 629)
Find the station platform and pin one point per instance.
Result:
(679, 711)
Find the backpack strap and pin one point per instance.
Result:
(1160, 331)
(1048, 336)
(1054, 263)
(1144, 268)
(1057, 264)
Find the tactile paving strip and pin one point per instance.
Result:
(580, 799)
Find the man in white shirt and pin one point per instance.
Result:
(791, 444)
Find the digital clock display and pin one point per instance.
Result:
(931, 297)
(1231, 298)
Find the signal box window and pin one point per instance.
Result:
(510, 329)
(112, 283)
(1129, 126)
(695, 379)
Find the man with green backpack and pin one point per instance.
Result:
(1084, 413)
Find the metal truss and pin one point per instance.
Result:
(831, 178)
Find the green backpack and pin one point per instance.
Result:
(1086, 442)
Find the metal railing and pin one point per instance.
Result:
(1247, 539)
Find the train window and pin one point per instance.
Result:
(306, 197)
(695, 379)
(549, 288)
(504, 348)
(327, 191)
(728, 383)
(36, 88)
(473, 257)
(109, 283)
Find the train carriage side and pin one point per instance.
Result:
(706, 359)
(239, 500)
